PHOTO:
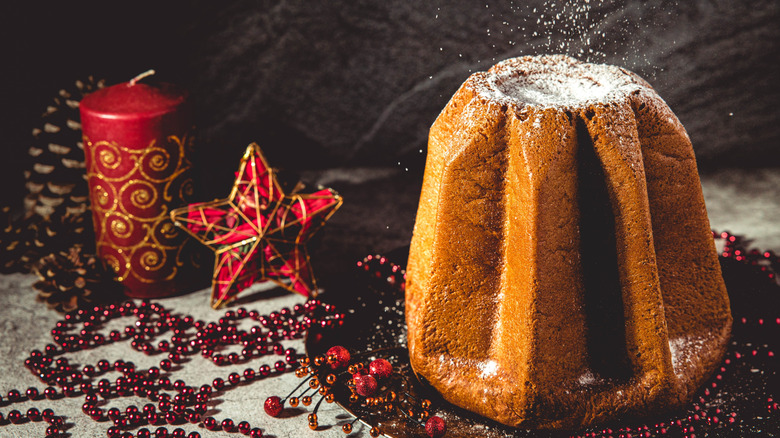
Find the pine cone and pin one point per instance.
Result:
(62, 231)
(57, 212)
(25, 240)
(56, 180)
(71, 279)
(15, 237)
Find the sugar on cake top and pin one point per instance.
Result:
(555, 81)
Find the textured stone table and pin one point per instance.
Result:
(26, 325)
(745, 202)
(377, 216)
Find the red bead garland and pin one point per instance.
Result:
(173, 403)
(176, 403)
(735, 248)
(381, 268)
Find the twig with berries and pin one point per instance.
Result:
(373, 387)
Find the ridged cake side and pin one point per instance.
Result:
(562, 270)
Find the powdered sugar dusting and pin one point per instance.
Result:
(488, 368)
(552, 90)
(587, 379)
(555, 81)
(686, 350)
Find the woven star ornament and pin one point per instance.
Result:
(258, 232)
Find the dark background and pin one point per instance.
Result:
(358, 83)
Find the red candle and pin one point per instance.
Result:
(137, 142)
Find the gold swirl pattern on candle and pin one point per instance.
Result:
(113, 263)
(109, 157)
(158, 162)
(120, 227)
(150, 260)
(132, 192)
(187, 189)
(101, 197)
(168, 229)
(142, 194)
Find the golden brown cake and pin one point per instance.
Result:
(562, 270)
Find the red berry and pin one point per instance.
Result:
(341, 354)
(365, 385)
(273, 406)
(380, 369)
(435, 427)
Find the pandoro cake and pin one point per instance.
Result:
(562, 270)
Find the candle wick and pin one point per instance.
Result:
(141, 76)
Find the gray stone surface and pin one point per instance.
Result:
(745, 202)
(25, 325)
(377, 216)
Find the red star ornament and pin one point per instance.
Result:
(258, 233)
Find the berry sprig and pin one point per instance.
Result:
(370, 387)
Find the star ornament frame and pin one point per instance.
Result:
(259, 233)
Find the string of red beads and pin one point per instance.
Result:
(736, 247)
(171, 403)
(382, 268)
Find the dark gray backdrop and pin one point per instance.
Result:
(358, 83)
